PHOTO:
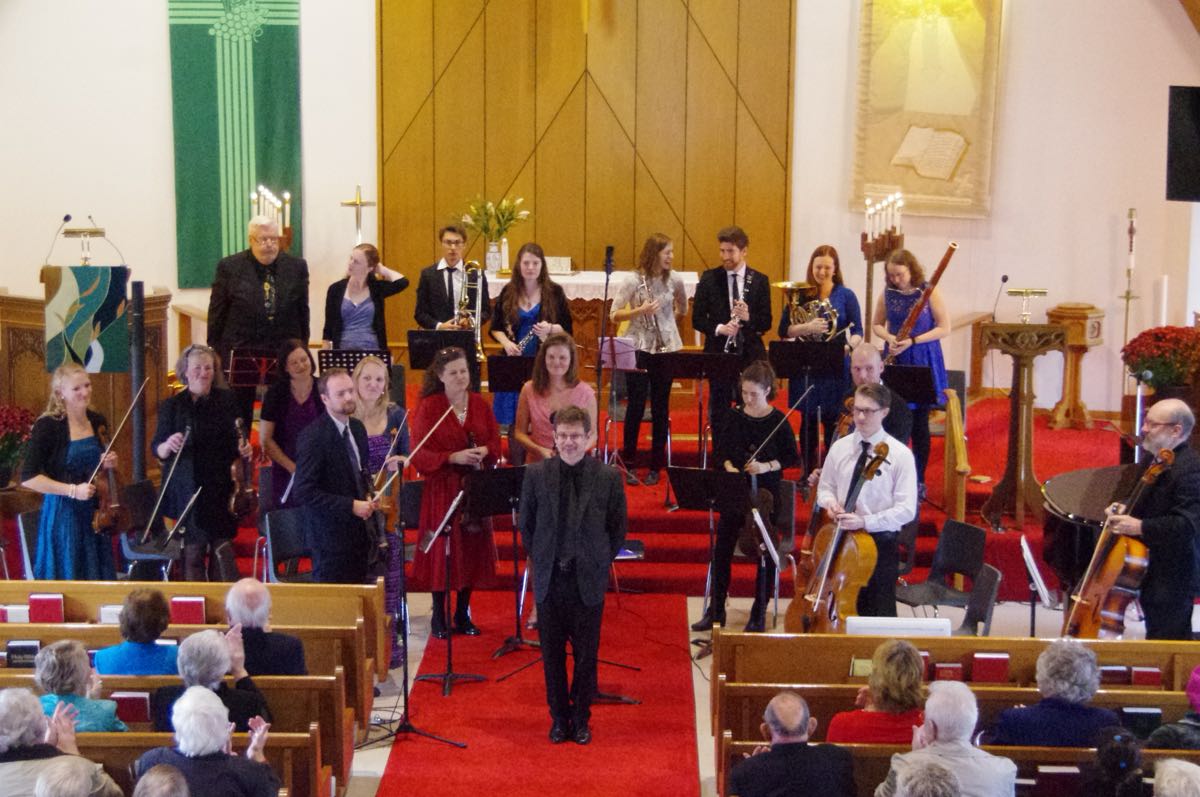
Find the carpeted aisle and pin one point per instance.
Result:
(647, 749)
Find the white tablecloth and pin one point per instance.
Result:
(590, 284)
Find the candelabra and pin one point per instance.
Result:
(883, 233)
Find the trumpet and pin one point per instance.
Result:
(803, 306)
(659, 344)
(467, 317)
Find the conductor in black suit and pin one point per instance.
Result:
(440, 288)
(331, 484)
(790, 765)
(732, 301)
(1167, 519)
(259, 299)
(572, 524)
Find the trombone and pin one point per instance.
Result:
(467, 317)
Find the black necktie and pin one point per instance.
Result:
(733, 288)
(352, 453)
(450, 287)
(860, 464)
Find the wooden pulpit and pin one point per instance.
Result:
(1019, 488)
(1084, 324)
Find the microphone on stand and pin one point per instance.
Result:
(66, 218)
(120, 254)
(999, 289)
(608, 260)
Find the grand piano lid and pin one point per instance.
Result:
(1082, 495)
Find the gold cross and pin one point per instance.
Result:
(358, 203)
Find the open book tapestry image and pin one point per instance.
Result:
(85, 317)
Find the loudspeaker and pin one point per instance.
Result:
(1183, 144)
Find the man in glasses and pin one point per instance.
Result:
(259, 299)
(441, 286)
(884, 503)
(1167, 519)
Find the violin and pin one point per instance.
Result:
(845, 420)
(244, 498)
(389, 504)
(761, 511)
(1114, 575)
(110, 516)
(846, 560)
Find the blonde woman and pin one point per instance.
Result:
(890, 705)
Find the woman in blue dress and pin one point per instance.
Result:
(64, 449)
(922, 346)
(530, 307)
(828, 393)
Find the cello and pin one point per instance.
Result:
(845, 561)
(805, 563)
(1114, 575)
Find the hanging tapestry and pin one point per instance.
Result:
(85, 317)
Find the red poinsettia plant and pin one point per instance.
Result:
(15, 423)
(1170, 354)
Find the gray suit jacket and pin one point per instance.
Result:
(601, 525)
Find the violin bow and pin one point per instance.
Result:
(782, 421)
(416, 448)
(187, 432)
(117, 434)
(392, 447)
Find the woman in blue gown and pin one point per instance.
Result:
(922, 346)
(828, 393)
(64, 449)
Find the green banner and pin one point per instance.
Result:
(235, 81)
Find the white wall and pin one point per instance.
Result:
(86, 94)
(1080, 138)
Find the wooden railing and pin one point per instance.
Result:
(956, 467)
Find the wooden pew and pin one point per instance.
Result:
(295, 702)
(291, 604)
(873, 761)
(741, 706)
(826, 658)
(295, 757)
(325, 649)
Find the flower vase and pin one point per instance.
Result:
(492, 260)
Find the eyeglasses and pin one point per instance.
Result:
(569, 437)
(266, 240)
(1156, 424)
(453, 243)
(866, 410)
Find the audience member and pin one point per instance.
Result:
(30, 744)
(1117, 770)
(202, 742)
(248, 603)
(204, 660)
(62, 778)
(161, 780)
(64, 675)
(1185, 733)
(144, 617)
(1175, 778)
(890, 703)
(945, 738)
(1067, 677)
(790, 765)
(928, 779)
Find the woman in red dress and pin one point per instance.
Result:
(468, 439)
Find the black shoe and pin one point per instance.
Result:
(755, 625)
(921, 491)
(438, 631)
(466, 627)
(559, 732)
(582, 735)
(706, 622)
(631, 478)
(651, 478)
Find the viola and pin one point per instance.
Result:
(845, 561)
(389, 504)
(244, 498)
(111, 517)
(1114, 575)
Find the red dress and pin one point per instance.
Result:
(472, 555)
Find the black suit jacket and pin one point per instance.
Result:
(244, 702)
(711, 307)
(271, 653)
(601, 524)
(434, 305)
(793, 770)
(327, 486)
(1170, 513)
(237, 315)
(379, 289)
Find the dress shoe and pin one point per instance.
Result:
(559, 732)
(438, 632)
(706, 622)
(466, 627)
(755, 625)
(631, 479)
(582, 735)
(651, 478)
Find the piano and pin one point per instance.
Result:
(1075, 503)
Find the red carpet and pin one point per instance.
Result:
(647, 749)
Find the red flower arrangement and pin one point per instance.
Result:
(15, 425)
(1170, 354)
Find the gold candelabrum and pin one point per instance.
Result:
(883, 233)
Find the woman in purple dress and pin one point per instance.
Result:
(922, 346)
(354, 305)
(290, 405)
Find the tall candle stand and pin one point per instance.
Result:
(883, 233)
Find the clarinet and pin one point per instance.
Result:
(733, 343)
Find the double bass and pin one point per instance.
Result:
(845, 561)
(1114, 575)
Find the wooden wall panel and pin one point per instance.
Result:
(457, 121)
(717, 22)
(561, 58)
(761, 190)
(612, 63)
(560, 181)
(453, 21)
(510, 101)
(609, 186)
(409, 53)
(762, 36)
(662, 100)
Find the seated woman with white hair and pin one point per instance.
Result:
(945, 738)
(204, 660)
(65, 675)
(928, 779)
(1176, 778)
(31, 744)
(203, 750)
(1067, 677)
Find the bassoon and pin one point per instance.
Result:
(911, 320)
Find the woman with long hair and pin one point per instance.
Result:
(290, 404)
(905, 284)
(384, 421)
(828, 393)
(354, 316)
(530, 308)
(64, 449)
(555, 384)
(649, 299)
(465, 439)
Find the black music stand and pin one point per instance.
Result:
(913, 383)
(249, 368)
(449, 676)
(424, 344)
(717, 491)
(808, 360)
(508, 374)
(699, 365)
(348, 358)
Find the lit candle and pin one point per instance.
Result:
(867, 219)
(899, 216)
(287, 209)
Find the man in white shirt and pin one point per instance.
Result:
(883, 504)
